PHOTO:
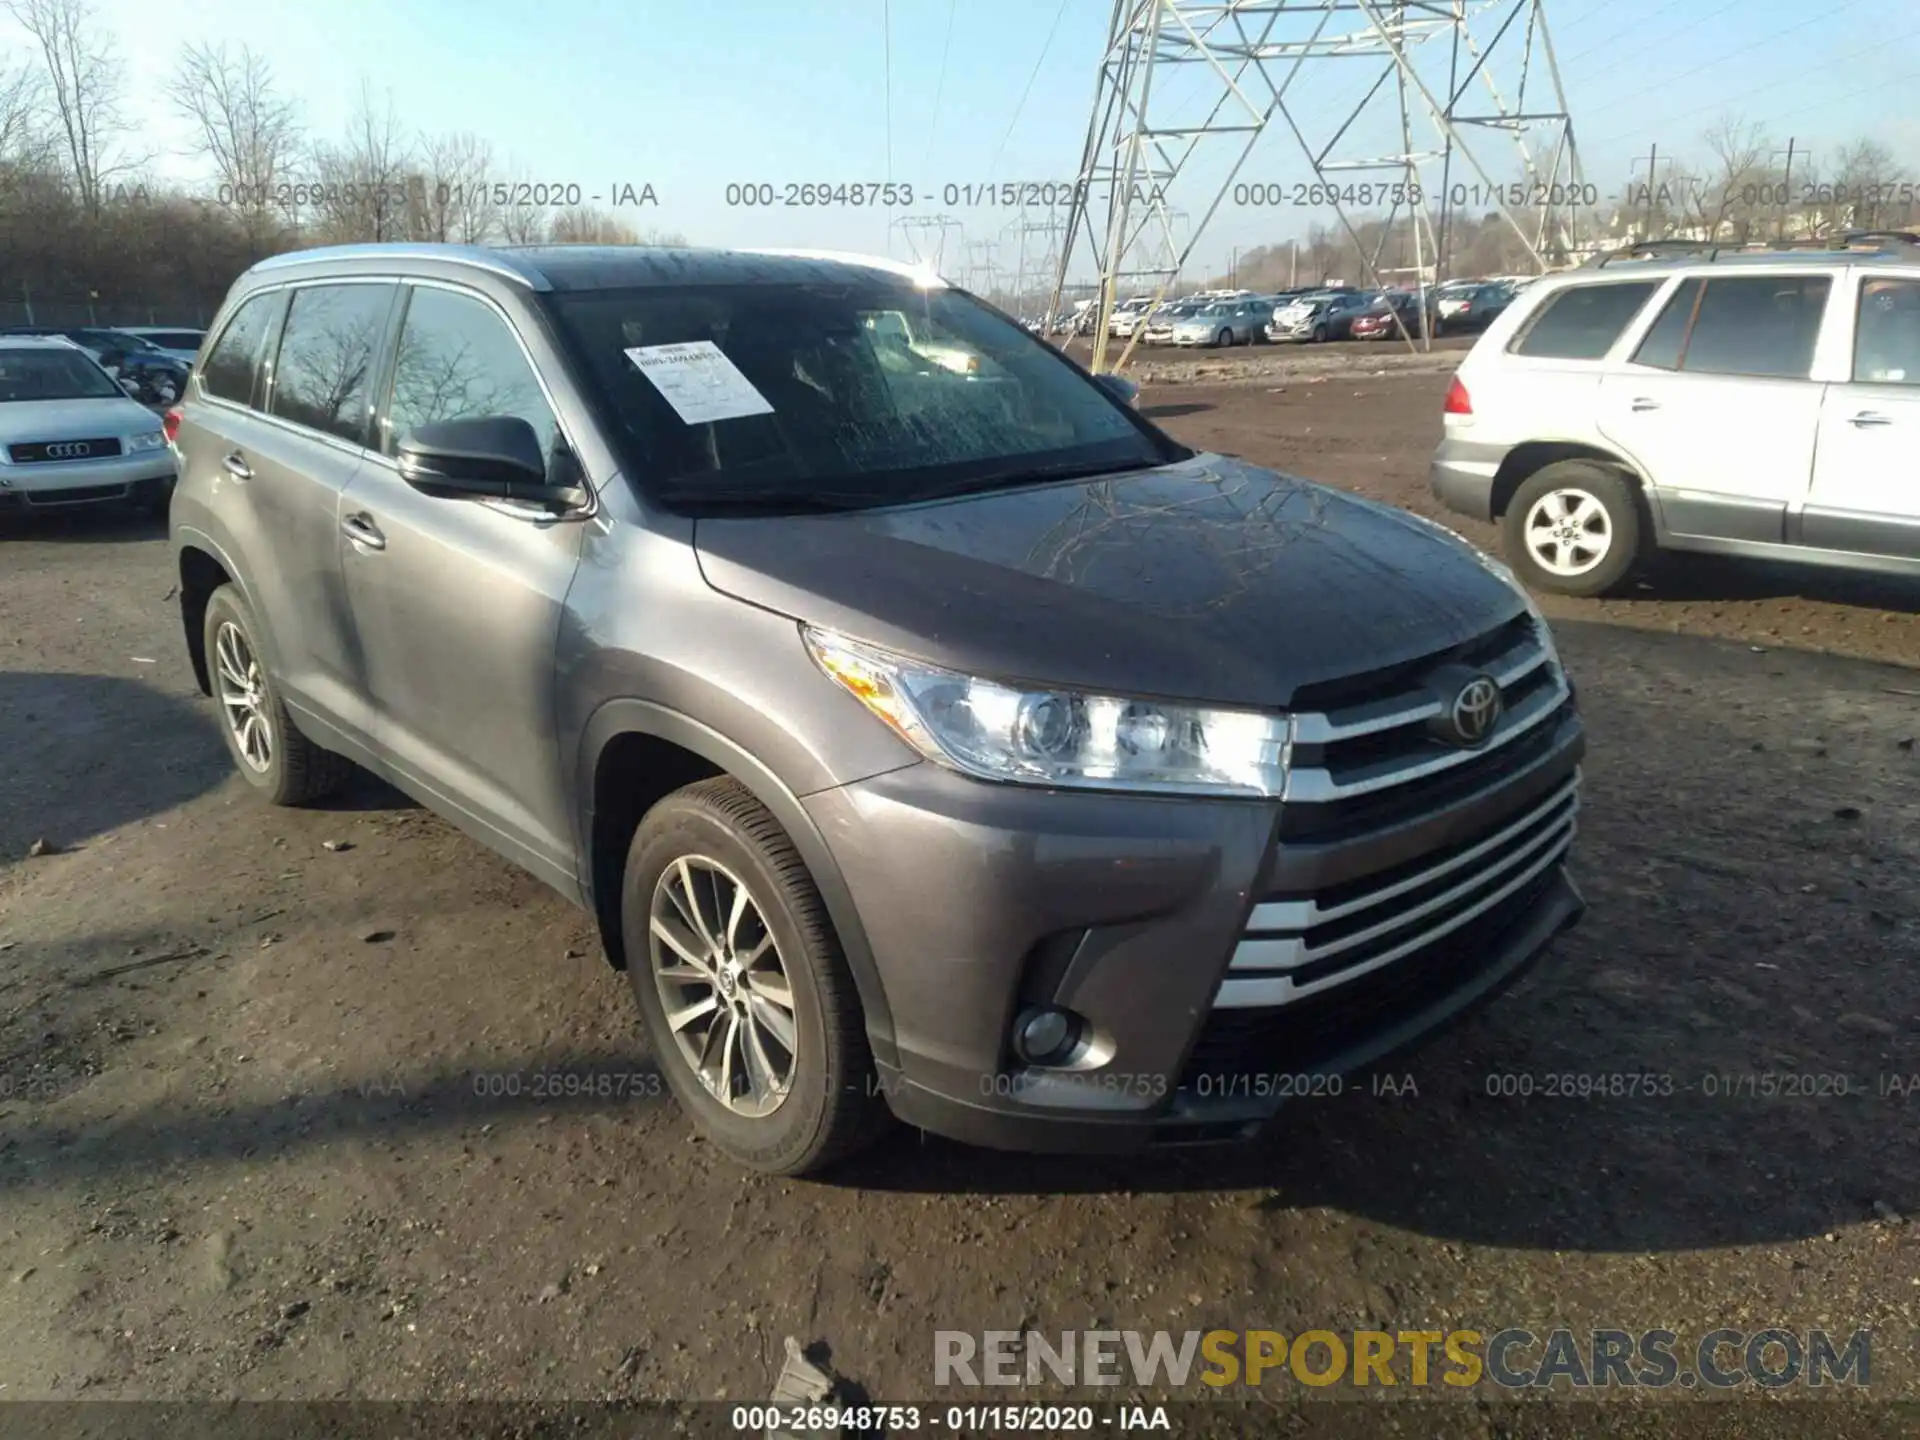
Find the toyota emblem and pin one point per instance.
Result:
(69, 450)
(1475, 710)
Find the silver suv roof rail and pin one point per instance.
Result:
(1886, 244)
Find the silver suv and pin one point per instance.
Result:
(930, 739)
(1758, 403)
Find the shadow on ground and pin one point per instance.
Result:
(86, 754)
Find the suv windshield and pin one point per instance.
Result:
(839, 395)
(52, 375)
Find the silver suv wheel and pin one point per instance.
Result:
(1568, 532)
(242, 691)
(723, 985)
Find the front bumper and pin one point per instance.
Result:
(86, 482)
(982, 900)
(1463, 472)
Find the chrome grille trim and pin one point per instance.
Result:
(1249, 992)
(1296, 951)
(1316, 785)
(1410, 708)
(1300, 915)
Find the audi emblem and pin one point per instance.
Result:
(1475, 710)
(69, 450)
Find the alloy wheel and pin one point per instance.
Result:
(723, 985)
(242, 688)
(1568, 532)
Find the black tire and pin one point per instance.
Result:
(297, 771)
(1319, 336)
(1625, 531)
(832, 1105)
(1224, 339)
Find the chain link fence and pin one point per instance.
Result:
(189, 312)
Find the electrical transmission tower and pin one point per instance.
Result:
(1430, 91)
(1035, 261)
(926, 237)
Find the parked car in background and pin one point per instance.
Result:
(70, 435)
(1318, 316)
(767, 655)
(1472, 309)
(1764, 405)
(1392, 314)
(1158, 329)
(156, 378)
(181, 345)
(1128, 315)
(1223, 322)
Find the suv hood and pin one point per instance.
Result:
(1206, 580)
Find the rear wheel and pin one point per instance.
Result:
(1574, 528)
(269, 751)
(748, 1003)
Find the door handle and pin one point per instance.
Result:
(1642, 404)
(1867, 419)
(361, 530)
(237, 466)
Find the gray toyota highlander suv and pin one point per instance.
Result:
(929, 733)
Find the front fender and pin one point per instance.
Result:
(630, 716)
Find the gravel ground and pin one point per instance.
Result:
(253, 1142)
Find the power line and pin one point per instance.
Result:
(940, 85)
(1047, 45)
(886, 34)
(1651, 40)
(1798, 75)
(1662, 84)
(1612, 36)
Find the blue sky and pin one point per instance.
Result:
(689, 98)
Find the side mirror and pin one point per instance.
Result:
(1126, 391)
(489, 457)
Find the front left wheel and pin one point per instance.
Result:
(749, 1006)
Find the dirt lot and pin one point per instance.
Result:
(251, 1145)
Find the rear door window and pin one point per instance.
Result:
(323, 378)
(1758, 325)
(230, 369)
(1583, 321)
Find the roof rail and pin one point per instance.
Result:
(480, 257)
(1655, 250)
(925, 275)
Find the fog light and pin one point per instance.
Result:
(1045, 1037)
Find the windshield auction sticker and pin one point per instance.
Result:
(699, 381)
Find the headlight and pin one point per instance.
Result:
(1060, 737)
(146, 440)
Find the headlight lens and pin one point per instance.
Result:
(1060, 737)
(146, 440)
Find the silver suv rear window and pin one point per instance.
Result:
(1581, 322)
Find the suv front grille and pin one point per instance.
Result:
(1300, 1038)
(1295, 946)
(1362, 755)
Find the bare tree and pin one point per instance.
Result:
(364, 183)
(459, 201)
(1734, 191)
(522, 224)
(1865, 187)
(20, 101)
(584, 225)
(81, 78)
(245, 127)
